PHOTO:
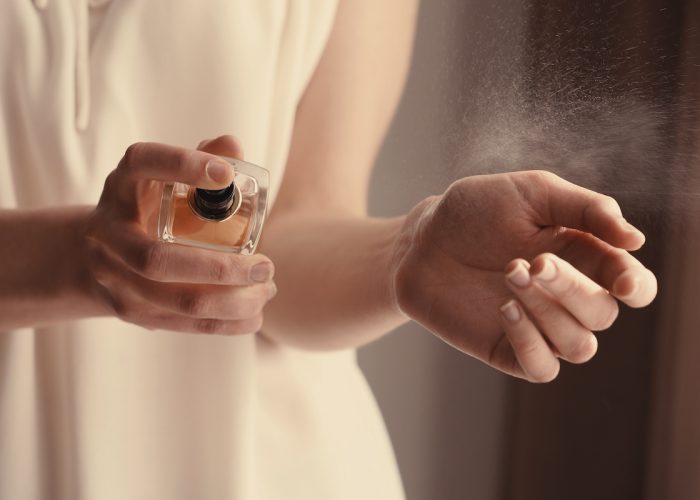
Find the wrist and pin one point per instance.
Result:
(43, 269)
(406, 259)
(78, 279)
(386, 263)
(69, 285)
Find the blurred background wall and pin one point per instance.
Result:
(445, 411)
(603, 93)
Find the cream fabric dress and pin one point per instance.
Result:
(100, 409)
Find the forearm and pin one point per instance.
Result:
(334, 276)
(334, 267)
(43, 276)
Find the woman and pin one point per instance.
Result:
(93, 406)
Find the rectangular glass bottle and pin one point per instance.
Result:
(228, 220)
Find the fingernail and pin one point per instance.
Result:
(519, 276)
(510, 311)
(548, 271)
(219, 171)
(261, 272)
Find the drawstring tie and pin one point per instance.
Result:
(82, 58)
(82, 66)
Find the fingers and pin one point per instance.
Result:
(165, 262)
(214, 301)
(184, 300)
(561, 203)
(637, 287)
(563, 301)
(613, 268)
(587, 301)
(206, 326)
(127, 309)
(154, 161)
(224, 145)
(570, 338)
(534, 355)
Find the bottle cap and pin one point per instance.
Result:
(214, 203)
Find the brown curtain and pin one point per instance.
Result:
(674, 440)
(625, 425)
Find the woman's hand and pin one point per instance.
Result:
(565, 254)
(162, 285)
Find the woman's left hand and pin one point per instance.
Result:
(565, 254)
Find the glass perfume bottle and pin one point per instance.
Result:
(228, 219)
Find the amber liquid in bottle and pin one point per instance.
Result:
(233, 231)
(227, 220)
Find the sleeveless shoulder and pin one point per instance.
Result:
(85, 79)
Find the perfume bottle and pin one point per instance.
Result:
(228, 219)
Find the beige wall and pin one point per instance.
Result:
(444, 410)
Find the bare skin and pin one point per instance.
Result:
(344, 278)
(563, 250)
(110, 264)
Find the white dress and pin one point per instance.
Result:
(100, 409)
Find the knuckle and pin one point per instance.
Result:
(220, 271)
(609, 204)
(210, 326)
(131, 154)
(570, 288)
(528, 347)
(541, 307)
(111, 182)
(185, 158)
(153, 261)
(193, 304)
(227, 271)
(541, 176)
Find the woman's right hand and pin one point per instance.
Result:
(160, 285)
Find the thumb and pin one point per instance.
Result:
(568, 205)
(224, 145)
